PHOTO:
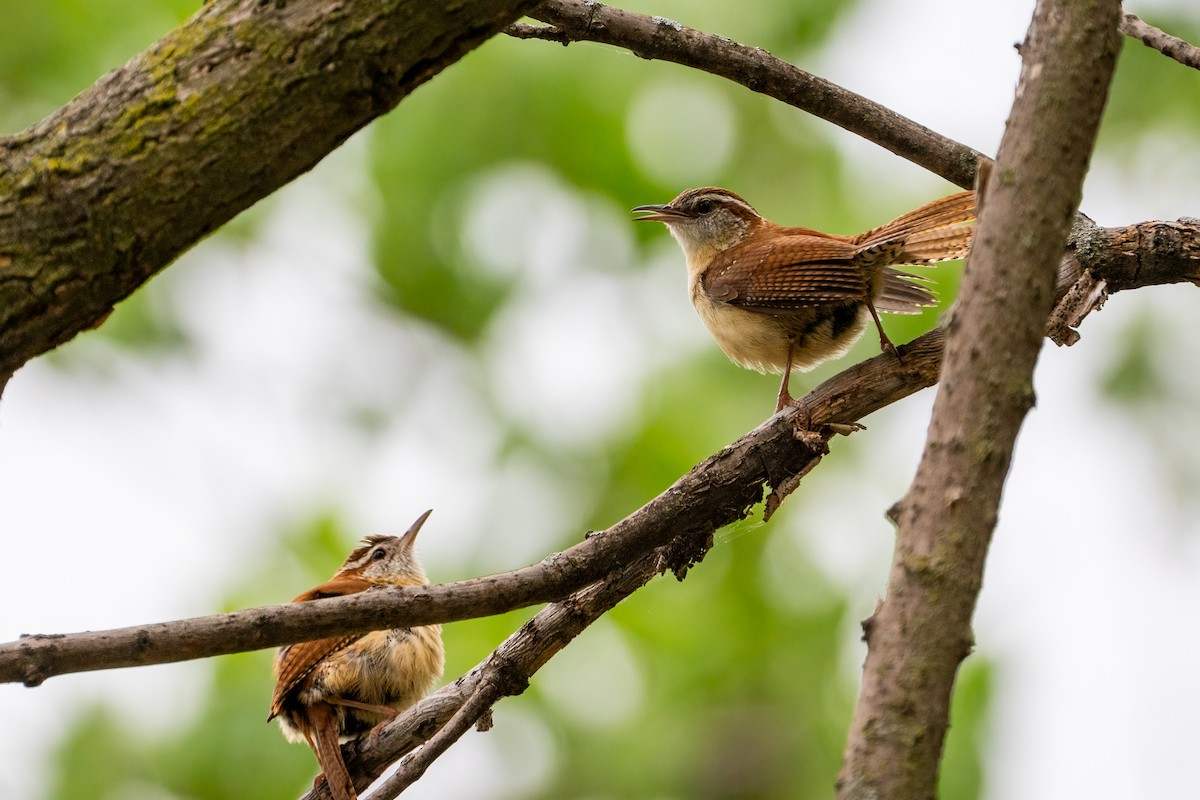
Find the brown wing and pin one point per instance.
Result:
(336, 586)
(790, 271)
(298, 660)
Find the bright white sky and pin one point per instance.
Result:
(1092, 583)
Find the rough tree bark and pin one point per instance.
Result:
(922, 629)
(216, 115)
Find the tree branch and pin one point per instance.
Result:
(715, 493)
(1171, 46)
(921, 632)
(1099, 261)
(442, 717)
(759, 71)
(216, 115)
(477, 704)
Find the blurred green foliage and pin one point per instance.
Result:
(223, 752)
(736, 696)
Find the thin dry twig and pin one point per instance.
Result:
(1182, 51)
(546, 33)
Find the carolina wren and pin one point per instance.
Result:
(778, 298)
(336, 689)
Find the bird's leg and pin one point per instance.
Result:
(885, 344)
(387, 712)
(785, 398)
(384, 711)
(803, 424)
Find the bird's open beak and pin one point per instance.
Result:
(410, 535)
(657, 213)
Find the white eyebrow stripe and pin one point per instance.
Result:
(689, 199)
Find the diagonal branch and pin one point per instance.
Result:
(505, 672)
(757, 70)
(1184, 52)
(477, 704)
(921, 632)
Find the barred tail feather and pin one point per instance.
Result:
(938, 244)
(900, 294)
(955, 210)
(322, 730)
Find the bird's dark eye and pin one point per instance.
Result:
(705, 206)
(379, 554)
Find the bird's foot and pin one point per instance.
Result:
(816, 434)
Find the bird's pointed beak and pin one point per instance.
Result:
(410, 536)
(657, 213)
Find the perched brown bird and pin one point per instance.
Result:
(336, 689)
(778, 298)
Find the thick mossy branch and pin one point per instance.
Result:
(216, 115)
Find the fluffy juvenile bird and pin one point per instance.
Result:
(778, 298)
(336, 689)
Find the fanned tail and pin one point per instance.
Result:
(937, 231)
(938, 244)
(901, 293)
(930, 232)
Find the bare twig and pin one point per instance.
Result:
(546, 33)
(921, 632)
(1171, 46)
(759, 71)
(1100, 261)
